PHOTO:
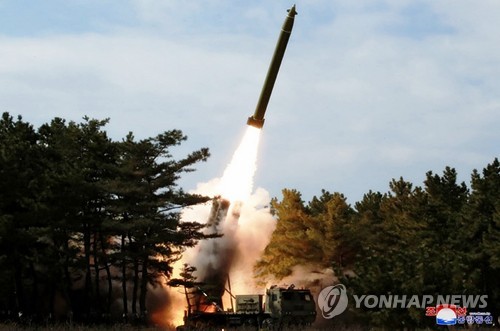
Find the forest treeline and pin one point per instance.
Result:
(88, 224)
(442, 238)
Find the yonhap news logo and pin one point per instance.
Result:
(448, 309)
(332, 301)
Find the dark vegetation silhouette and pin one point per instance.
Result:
(442, 238)
(89, 226)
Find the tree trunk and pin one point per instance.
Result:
(186, 293)
(144, 284)
(68, 284)
(136, 287)
(19, 287)
(136, 280)
(34, 296)
(97, 298)
(124, 280)
(88, 272)
(108, 273)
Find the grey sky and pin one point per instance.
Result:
(368, 90)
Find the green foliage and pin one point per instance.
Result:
(482, 238)
(287, 247)
(334, 219)
(81, 213)
(307, 235)
(440, 239)
(83, 217)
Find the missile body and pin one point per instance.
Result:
(257, 120)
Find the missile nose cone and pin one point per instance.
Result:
(292, 12)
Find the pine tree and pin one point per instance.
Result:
(328, 230)
(446, 199)
(289, 245)
(189, 284)
(19, 203)
(481, 233)
(145, 211)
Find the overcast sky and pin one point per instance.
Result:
(368, 90)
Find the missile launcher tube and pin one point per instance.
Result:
(257, 119)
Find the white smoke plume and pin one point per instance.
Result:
(246, 229)
(309, 276)
(251, 234)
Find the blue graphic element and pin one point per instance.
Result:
(446, 321)
(446, 316)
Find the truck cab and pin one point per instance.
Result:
(290, 306)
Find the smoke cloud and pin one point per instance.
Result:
(245, 222)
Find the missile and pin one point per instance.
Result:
(257, 119)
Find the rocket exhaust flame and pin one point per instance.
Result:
(242, 242)
(235, 188)
(237, 182)
(246, 231)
